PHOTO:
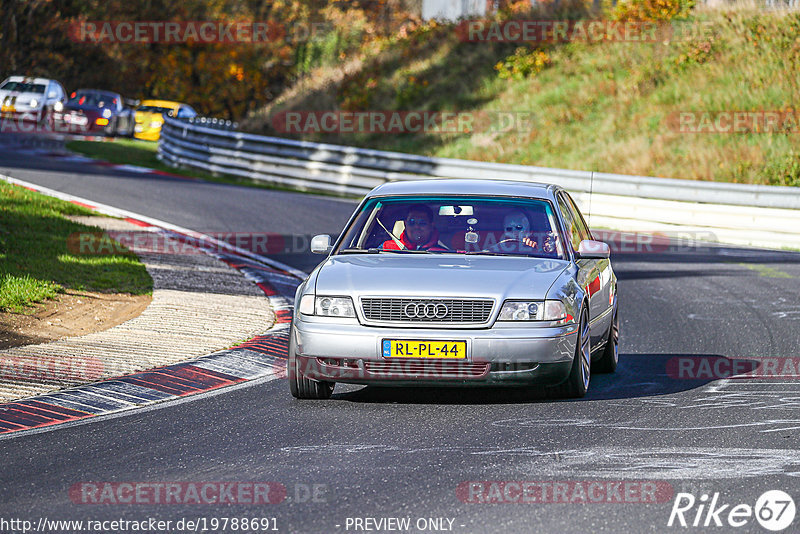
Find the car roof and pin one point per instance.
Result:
(27, 79)
(97, 91)
(467, 186)
(161, 103)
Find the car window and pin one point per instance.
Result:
(23, 87)
(55, 91)
(580, 223)
(457, 224)
(90, 99)
(573, 233)
(153, 109)
(185, 112)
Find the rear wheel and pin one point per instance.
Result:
(577, 383)
(608, 361)
(300, 386)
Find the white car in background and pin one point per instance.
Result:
(30, 99)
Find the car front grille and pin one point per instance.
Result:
(416, 310)
(426, 370)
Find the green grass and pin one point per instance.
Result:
(18, 292)
(143, 154)
(36, 262)
(601, 107)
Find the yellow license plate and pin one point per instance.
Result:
(404, 348)
(8, 109)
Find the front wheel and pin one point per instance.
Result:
(300, 386)
(577, 383)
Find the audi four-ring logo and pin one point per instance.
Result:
(425, 310)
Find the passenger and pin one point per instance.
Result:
(517, 228)
(419, 232)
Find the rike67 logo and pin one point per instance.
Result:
(774, 510)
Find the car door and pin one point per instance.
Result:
(593, 275)
(55, 93)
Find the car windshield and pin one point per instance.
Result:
(92, 100)
(153, 109)
(22, 87)
(455, 225)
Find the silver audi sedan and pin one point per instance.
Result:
(457, 283)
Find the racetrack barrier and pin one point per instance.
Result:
(742, 214)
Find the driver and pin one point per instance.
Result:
(419, 232)
(517, 228)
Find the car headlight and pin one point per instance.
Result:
(156, 124)
(535, 310)
(107, 113)
(327, 306)
(58, 106)
(334, 307)
(33, 103)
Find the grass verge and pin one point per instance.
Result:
(36, 262)
(593, 106)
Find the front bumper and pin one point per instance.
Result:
(333, 350)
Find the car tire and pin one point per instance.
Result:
(607, 363)
(300, 386)
(577, 383)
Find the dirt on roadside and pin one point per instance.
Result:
(74, 313)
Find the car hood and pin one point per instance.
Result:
(19, 99)
(438, 275)
(147, 116)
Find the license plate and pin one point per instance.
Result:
(404, 348)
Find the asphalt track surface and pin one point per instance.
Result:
(382, 453)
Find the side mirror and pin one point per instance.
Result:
(321, 244)
(592, 250)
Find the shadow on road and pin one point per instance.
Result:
(638, 375)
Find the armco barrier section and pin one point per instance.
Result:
(741, 214)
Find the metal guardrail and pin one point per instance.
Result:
(349, 170)
(210, 122)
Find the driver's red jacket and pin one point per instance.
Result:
(433, 243)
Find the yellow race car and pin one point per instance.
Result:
(150, 116)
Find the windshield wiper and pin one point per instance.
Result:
(359, 251)
(380, 250)
(489, 253)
